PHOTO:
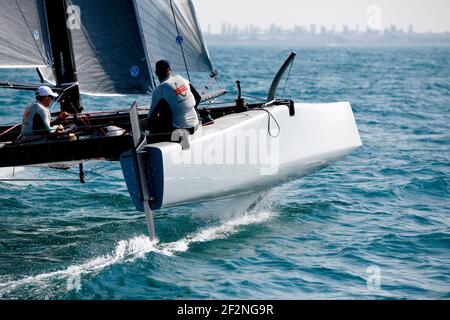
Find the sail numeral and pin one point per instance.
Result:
(74, 19)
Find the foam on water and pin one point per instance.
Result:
(215, 233)
(125, 250)
(138, 247)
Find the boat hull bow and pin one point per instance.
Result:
(249, 152)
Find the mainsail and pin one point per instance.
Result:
(23, 34)
(114, 43)
(108, 50)
(118, 42)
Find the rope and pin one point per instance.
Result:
(269, 126)
(253, 97)
(62, 94)
(218, 82)
(10, 129)
(77, 113)
(245, 95)
(100, 168)
(181, 42)
(37, 180)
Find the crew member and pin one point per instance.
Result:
(37, 119)
(174, 102)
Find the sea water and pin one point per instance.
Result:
(375, 225)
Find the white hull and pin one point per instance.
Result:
(213, 166)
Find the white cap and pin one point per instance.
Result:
(45, 92)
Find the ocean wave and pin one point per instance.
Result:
(130, 250)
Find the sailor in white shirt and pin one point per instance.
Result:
(174, 102)
(37, 118)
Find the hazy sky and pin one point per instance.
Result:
(424, 15)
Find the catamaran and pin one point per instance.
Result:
(109, 47)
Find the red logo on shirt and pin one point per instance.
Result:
(181, 90)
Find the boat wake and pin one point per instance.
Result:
(129, 250)
(215, 233)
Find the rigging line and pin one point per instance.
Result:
(245, 95)
(97, 172)
(253, 97)
(29, 29)
(94, 170)
(181, 42)
(287, 78)
(37, 180)
(269, 126)
(61, 95)
(82, 118)
(207, 86)
(77, 113)
(219, 83)
(209, 83)
(115, 124)
(10, 129)
(215, 102)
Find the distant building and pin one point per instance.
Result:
(225, 27)
(345, 29)
(275, 29)
(393, 29)
(299, 30)
(319, 35)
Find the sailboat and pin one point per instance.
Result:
(109, 47)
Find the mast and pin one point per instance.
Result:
(62, 51)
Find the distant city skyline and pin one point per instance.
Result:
(319, 35)
(231, 29)
(422, 15)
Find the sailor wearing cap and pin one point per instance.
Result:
(37, 118)
(174, 102)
